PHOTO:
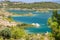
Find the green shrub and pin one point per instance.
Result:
(49, 21)
(17, 33)
(1, 38)
(11, 38)
(5, 33)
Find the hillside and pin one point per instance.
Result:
(36, 5)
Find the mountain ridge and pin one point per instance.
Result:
(36, 5)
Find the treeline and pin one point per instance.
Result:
(37, 5)
(54, 23)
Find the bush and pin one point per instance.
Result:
(5, 33)
(11, 38)
(17, 33)
(1, 38)
(49, 21)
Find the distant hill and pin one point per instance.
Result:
(36, 5)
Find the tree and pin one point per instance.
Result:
(55, 13)
(55, 26)
(5, 33)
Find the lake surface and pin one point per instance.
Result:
(40, 18)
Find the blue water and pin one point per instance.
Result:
(40, 18)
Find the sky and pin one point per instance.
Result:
(30, 1)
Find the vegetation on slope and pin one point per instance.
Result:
(54, 23)
(38, 5)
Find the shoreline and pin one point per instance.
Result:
(29, 14)
(30, 9)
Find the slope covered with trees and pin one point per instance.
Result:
(36, 5)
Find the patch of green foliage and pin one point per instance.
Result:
(17, 32)
(55, 25)
(13, 32)
(5, 33)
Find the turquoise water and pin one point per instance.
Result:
(40, 18)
